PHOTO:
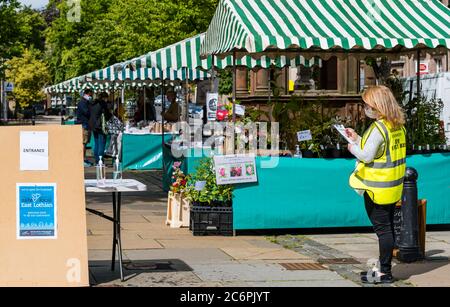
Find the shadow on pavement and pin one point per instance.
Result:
(100, 271)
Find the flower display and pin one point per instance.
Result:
(236, 171)
(179, 179)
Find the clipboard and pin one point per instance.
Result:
(341, 130)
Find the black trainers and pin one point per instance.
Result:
(376, 279)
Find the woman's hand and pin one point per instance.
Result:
(352, 134)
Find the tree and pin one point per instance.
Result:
(29, 75)
(112, 31)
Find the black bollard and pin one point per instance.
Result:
(63, 122)
(409, 250)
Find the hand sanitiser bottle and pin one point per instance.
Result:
(117, 174)
(298, 153)
(101, 173)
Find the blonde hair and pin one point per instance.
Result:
(382, 99)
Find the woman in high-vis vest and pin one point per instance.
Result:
(379, 175)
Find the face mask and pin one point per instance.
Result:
(371, 113)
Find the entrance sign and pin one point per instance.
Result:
(36, 211)
(235, 169)
(33, 151)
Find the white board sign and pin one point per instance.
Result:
(240, 110)
(33, 151)
(235, 169)
(304, 136)
(212, 103)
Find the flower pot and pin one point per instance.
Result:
(177, 211)
(335, 153)
(308, 154)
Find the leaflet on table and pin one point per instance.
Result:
(341, 129)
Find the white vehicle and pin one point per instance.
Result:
(435, 86)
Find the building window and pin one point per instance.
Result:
(318, 78)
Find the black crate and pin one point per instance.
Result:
(207, 221)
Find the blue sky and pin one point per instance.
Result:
(36, 4)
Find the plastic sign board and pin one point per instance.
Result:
(36, 211)
(235, 169)
(9, 87)
(424, 67)
(212, 103)
(304, 136)
(33, 151)
(240, 110)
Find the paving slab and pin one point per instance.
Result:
(304, 284)
(258, 272)
(427, 274)
(344, 240)
(205, 243)
(260, 253)
(190, 256)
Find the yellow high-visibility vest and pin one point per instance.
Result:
(383, 178)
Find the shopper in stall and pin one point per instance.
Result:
(380, 172)
(99, 113)
(83, 117)
(173, 114)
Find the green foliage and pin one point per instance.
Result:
(20, 28)
(212, 192)
(112, 31)
(30, 75)
(225, 82)
(423, 122)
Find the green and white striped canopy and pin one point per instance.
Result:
(257, 26)
(146, 74)
(186, 54)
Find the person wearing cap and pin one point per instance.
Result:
(83, 117)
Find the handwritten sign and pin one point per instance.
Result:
(304, 136)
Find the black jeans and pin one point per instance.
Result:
(382, 218)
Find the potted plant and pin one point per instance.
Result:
(211, 204)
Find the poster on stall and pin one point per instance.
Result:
(212, 103)
(36, 211)
(235, 169)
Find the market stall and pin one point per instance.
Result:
(300, 193)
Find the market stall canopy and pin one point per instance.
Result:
(186, 54)
(256, 26)
(147, 74)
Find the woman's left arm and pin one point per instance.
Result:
(370, 150)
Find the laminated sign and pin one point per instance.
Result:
(36, 211)
(234, 169)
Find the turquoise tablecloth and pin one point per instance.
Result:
(314, 193)
(142, 152)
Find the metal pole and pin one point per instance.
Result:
(186, 106)
(234, 86)
(145, 103)
(212, 74)
(269, 76)
(418, 74)
(1, 99)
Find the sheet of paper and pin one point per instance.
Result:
(341, 130)
(33, 151)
